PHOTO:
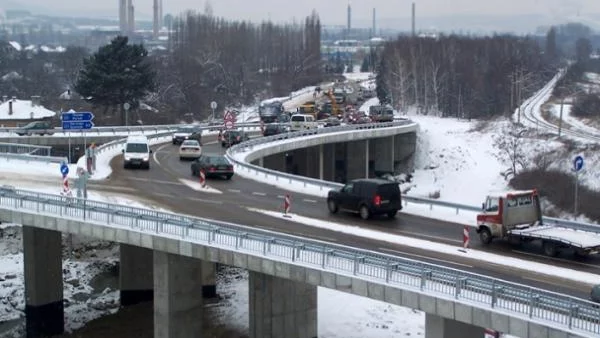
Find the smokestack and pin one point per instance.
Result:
(349, 17)
(123, 16)
(160, 14)
(374, 23)
(155, 22)
(10, 108)
(413, 19)
(131, 18)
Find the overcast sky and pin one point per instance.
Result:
(330, 11)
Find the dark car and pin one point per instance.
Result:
(187, 133)
(232, 137)
(595, 294)
(213, 166)
(367, 197)
(33, 128)
(274, 129)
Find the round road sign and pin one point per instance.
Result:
(213, 105)
(578, 163)
(126, 106)
(229, 124)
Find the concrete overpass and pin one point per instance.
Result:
(169, 258)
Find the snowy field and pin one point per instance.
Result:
(449, 153)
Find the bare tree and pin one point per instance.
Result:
(510, 143)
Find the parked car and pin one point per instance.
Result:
(35, 128)
(187, 133)
(233, 137)
(213, 166)
(190, 150)
(595, 293)
(302, 121)
(274, 129)
(367, 197)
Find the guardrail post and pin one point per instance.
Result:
(573, 312)
(461, 282)
(357, 261)
(424, 275)
(533, 301)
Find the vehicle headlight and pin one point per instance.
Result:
(145, 159)
(127, 158)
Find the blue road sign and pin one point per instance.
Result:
(578, 163)
(70, 125)
(64, 169)
(77, 116)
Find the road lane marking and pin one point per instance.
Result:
(234, 190)
(156, 152)
(413, 234)
(425, 257)
(204, 200)
(259, 194)
(154, 181)
(545, 281)
(309, 201)
(556, 259)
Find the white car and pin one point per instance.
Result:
(190, 150)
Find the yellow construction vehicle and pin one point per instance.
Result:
(307, 108)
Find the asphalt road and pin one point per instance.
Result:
(162, 184)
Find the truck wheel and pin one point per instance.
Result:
(364, 212)
(332, 206)
(485, 235)
(550, 249)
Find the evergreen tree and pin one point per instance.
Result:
(383, 93)
(117, 73)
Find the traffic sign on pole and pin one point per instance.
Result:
(229, 124)
(77, 120)
(80, 116)
(578, 163)
(64, 168)
(70, 125)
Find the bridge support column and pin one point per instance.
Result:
(439, 327)
(135, 274)
(177, 296)
(357, 162)
(261, 162)
(404, 151)
(209, 279)
(312, 162)
(384, 154)
(367, 158)
(280, 307)
(42, 257)
(321, 160)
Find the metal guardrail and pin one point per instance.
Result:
(570, 314)
(34, 158)
(18, 148)
(327, 185)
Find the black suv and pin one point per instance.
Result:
(369, 196)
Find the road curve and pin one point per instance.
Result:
(163, 184)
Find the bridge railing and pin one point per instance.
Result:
(28, 153)
(252, 145)
(566, 313)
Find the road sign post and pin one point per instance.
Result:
(229, 120)
(82, 121)
(126, 106)
(213, 106)
(577, 167)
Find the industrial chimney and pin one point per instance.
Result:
(131, 17)
(10, 108)
(349, 17)
(156, 20)
(374, 23)
(123, 26)
(413, 19)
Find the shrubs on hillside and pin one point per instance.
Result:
(586, 105)
(559, 189)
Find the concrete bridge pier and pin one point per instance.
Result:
(281, 308)
(135, 274)
(383, 154)
(42, 260)
(209, 279)
(357, 159)
(439, 327)
(177, 296)
(404, 152)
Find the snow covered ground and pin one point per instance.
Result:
(449, 152)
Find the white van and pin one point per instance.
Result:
(136, 152)
(302, 121)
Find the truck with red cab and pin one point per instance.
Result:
(517, 216)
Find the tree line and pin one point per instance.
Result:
(461, 76)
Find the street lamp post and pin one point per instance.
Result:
(126, 106)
